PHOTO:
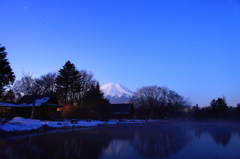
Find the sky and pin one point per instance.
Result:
(191, 47)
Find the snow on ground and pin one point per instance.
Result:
(19, 123)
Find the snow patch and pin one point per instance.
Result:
(38, 102)
(21, 119)
(19, 123)
(8, 104)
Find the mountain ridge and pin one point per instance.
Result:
(116, 93)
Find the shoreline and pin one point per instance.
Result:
(45, 127)
(20, 126)
(5, 135)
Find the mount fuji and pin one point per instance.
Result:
(116, 93)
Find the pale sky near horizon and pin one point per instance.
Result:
(192, 47)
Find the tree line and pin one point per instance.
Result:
(76, 89)
(80, 93)
(158, 102)
(217, 109)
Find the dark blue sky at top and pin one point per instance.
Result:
(192, 47)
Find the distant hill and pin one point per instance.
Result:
(116, 93)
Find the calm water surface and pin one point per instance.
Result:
(162, 140)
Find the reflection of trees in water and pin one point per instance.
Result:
(76, 144)
(160, 141)
(148, 140)
(220, 133)
(20, 149)
(221, 136)
(116, 146)
(89, 145)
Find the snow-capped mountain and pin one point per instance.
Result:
(116, 93)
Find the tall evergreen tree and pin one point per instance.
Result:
(7, 76)
(67, 82)
(93, 96)
(218, 107)
(85, 82)
(96, 102)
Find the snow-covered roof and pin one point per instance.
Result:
(27, 101)
(38, 102)
(9, 104)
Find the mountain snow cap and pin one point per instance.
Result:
(116, 90)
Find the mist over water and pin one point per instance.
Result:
(154, 140)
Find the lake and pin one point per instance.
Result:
(152, 140)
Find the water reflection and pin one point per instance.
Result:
(221, 137)
(74, 144)
(221, 134)
(141, 141)
(158, 142)
(116, 146)
(86, 144)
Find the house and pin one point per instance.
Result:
(122, 111)
(8, 107)
(46, 107)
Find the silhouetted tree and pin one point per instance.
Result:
(9, 96)
(238, 108)
(67, 82)
(155, 102)
(237, 112)
(196, 111)
(218, 107)
(84, 83)
(48, 83)
(29, 86)
(96, 102)
(7, 76)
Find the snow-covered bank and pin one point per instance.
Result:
(22, 124)
(18, 126)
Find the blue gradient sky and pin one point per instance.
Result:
(192, 47)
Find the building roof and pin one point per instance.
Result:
(4, 104)
(27, 101)
(57, 105)
(123, 108)
(39, 99)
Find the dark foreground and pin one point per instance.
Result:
(216, 140)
